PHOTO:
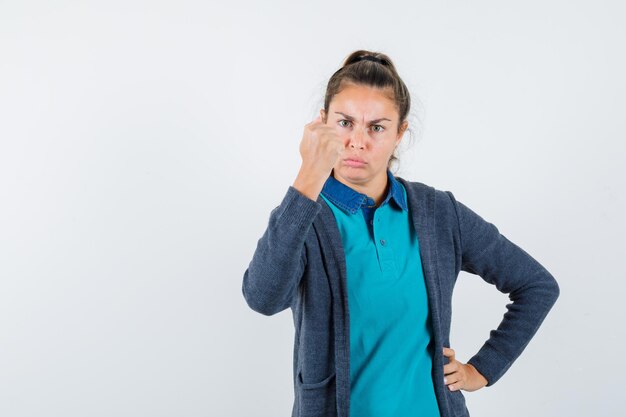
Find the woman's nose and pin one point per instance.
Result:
(356, 139)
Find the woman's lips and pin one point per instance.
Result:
(355, 163)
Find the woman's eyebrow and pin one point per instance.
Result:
(350, 118)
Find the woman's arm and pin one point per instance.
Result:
(271, 281)
(531, 288)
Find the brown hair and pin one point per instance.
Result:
(378, 71)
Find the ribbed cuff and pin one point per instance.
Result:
(490, 363)
(298, 210)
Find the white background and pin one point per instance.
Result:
(143, 145)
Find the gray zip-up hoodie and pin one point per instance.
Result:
(299, 263)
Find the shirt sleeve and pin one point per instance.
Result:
(531, 288)
(271, 280)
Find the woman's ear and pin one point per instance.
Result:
(403, 128)
(323, 115)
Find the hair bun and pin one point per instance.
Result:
(369, 58)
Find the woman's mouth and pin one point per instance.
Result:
(354, 163)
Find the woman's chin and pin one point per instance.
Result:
(352, 174)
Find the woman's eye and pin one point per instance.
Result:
(376, 128)
(343, 120)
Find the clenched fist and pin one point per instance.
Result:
(320, 149)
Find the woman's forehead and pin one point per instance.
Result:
(362, 102)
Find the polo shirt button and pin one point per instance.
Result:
(382, 242)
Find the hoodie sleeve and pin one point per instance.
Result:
(271, 280)
(531, 288)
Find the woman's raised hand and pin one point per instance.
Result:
(320, 148)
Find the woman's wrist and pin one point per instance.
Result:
(308, 184)
(478, 377)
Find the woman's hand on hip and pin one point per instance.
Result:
(460, 375)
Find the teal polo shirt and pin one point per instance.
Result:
(390, 334)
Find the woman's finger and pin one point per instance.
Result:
(448, 352)
(456, 386)
(450, 369)
(452, 378)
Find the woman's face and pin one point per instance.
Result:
(367, 120)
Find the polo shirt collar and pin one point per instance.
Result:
(351, 201)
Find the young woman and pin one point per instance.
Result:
(367, 262)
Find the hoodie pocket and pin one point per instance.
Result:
(317, 399)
